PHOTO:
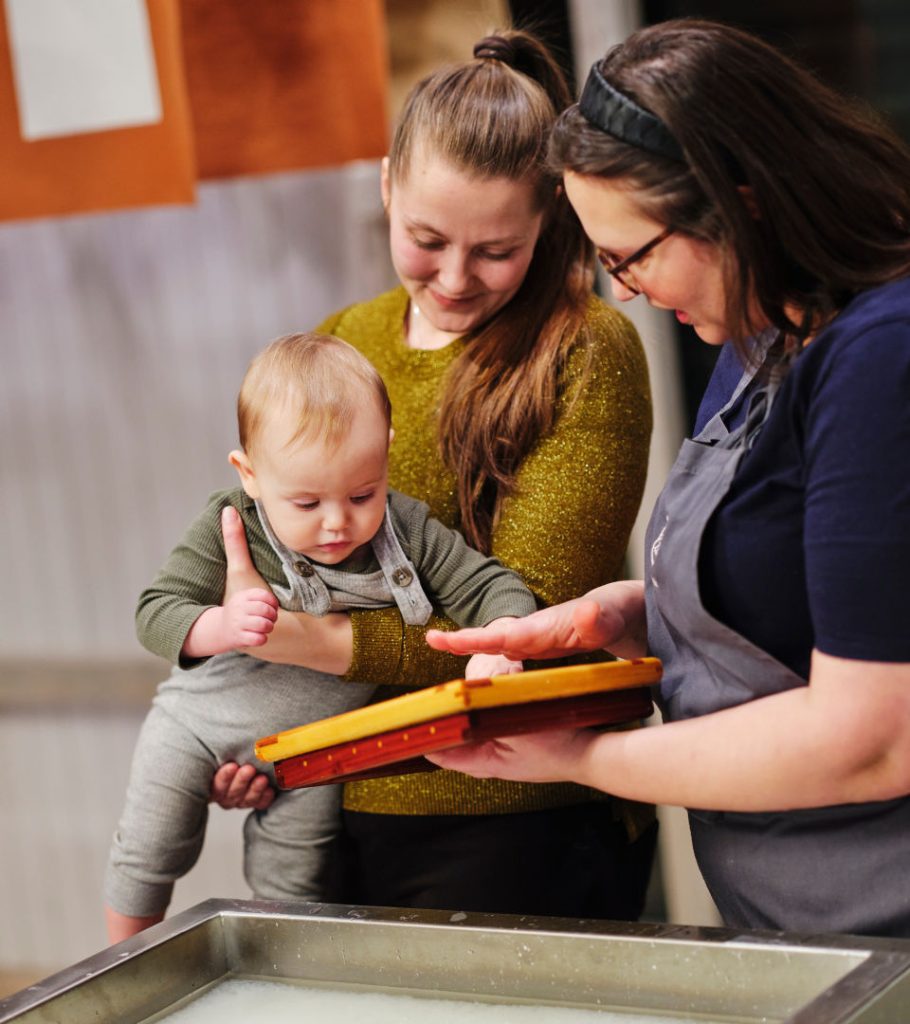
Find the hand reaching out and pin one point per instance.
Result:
(611, 617)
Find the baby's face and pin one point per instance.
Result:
(323, 501)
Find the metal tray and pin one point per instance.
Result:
(712, 974)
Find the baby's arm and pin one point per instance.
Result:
(483, 666)
(244, 620)
(184, 614)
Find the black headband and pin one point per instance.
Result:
(617, 115)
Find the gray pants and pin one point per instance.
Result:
(199, 719)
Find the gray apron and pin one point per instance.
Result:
(842, 869)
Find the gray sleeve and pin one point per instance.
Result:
(471, 588)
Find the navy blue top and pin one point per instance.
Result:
(726, 374)
(811, 547)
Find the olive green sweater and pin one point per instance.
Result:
(564, 531)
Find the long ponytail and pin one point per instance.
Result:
(492, 116)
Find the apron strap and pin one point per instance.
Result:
(407, 592)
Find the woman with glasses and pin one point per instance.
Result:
(522, 417)
(721, 181)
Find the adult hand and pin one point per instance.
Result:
(241, 786)
(611, 617)
(555, 755)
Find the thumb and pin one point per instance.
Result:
(592, 625)
(236, 549)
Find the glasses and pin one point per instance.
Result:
(620, 271)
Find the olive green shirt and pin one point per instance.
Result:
(470, 588)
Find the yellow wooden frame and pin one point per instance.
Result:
(456, 696)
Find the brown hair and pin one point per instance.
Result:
(830, 185)
(491, 117)
(324, 379)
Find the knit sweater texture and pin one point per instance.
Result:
(565, 530)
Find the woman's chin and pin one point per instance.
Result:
(711, 334)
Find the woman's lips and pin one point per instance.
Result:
(445, 302)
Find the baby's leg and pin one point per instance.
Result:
(232, 700)
(289, 850)
(162, 827)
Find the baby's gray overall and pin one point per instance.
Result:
(213, 713)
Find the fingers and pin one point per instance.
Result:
(250, 617)
(484, 666)
(467, 641)
(260, 794)
(252, 637)
(261, 602)
(241, 786)
(241, 572)
(257, 618)
(472, 759)
(553, 755)
(236, 549)
(534, 636)
(590, 624)
(221, 783)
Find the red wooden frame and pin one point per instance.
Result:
(400, 751)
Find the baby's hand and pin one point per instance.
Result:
(482, 666)
(247, 618)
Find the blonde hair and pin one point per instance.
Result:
(320, 376)
(491, 117)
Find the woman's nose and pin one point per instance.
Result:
(454, 273)
(622, 292)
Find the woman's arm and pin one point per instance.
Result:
(324, 644)
(844, 738)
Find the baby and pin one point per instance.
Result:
(326, 534)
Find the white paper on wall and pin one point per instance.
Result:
(82, 67)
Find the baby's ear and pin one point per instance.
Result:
(391, 434)
(240, 461)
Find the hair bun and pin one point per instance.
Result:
(496, 48)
